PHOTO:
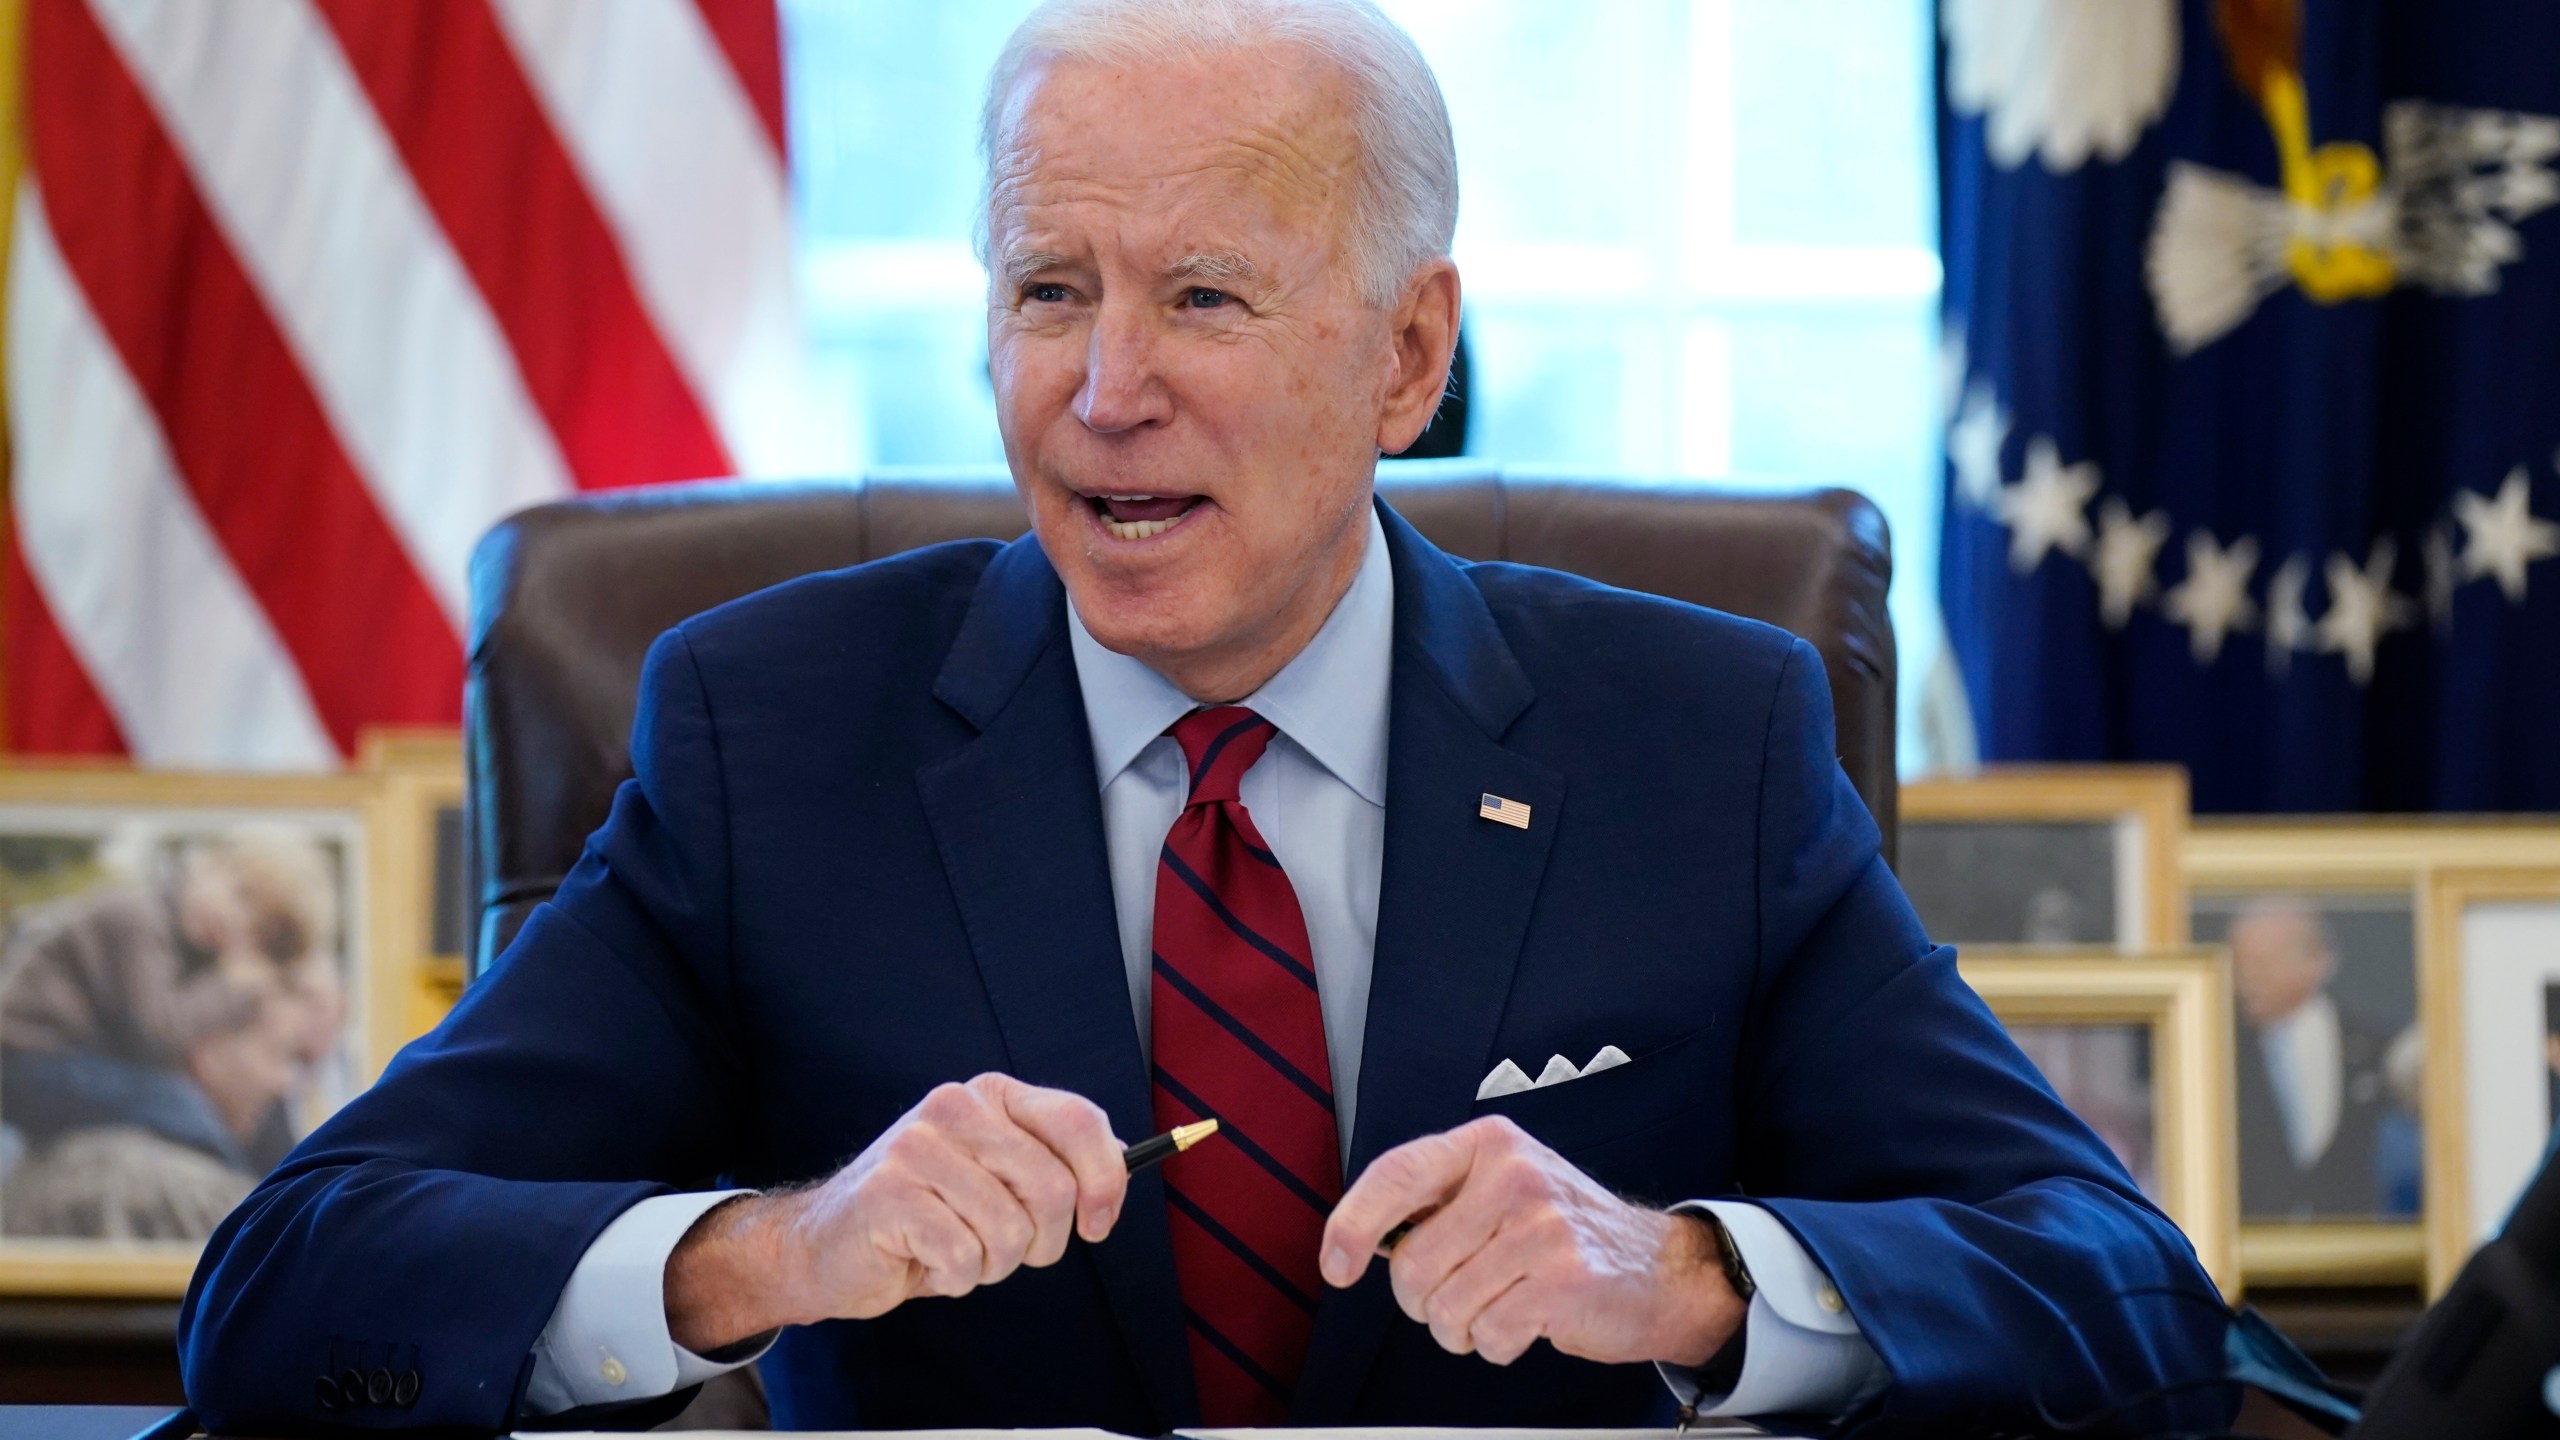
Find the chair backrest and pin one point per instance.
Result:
(567, 597)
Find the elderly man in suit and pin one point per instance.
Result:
(2314, 1093)
(1533, 915)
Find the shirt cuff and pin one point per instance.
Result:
(607, 1343)
(1803, 1353)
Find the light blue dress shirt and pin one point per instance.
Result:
(1318, 795)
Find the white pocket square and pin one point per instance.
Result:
(1509, 1079)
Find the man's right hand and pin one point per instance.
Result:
(974, 1182)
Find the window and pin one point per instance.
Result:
(1697, 238)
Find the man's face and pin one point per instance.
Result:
(2280, 958)
(1193, 393)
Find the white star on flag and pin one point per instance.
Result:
(1973, 445)
(2213, 600)
(2500, 537)
(2127, 549)
(2047, 510)
(2362, 608)
(2288, 625)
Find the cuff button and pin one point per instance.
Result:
(404, 1391)
(1828, 1297)
(326, 1391)
(351, 1385)
(377, 1387)
(612, 1371)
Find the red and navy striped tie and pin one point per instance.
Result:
(1239, 1036)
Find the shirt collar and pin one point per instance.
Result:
(2310, 1018)
(1331, 699)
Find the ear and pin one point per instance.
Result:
(1425, 335)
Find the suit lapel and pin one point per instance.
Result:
(1454, 906)
(1018, 818)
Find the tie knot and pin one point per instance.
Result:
(1220, 743)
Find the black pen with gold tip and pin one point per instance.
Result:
(1155, 1151)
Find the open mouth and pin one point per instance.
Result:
(1141, 517)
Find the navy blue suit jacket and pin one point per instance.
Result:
(863, 855)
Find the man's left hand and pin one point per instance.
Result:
(1511, 1244)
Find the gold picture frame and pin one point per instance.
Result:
(2181, 998)
(418, 798)
(111, 828)
(2388, 861)
(2457, 1188)
(2144, 805)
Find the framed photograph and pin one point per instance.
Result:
(2492, 960)
(188, 985)
(2136, 1047)
(422, 905)
(2048, 856)
(2324, 920)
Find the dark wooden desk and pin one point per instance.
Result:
(2349, 1332)
(89, 1352)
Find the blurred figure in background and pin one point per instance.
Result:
(2315, 1092)
(152, 1034)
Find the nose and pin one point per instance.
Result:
(1122, 389)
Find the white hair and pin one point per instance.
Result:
(1405, 203)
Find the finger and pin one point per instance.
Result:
(1046, 1190)
(972, 1192)
(935, 1239)
(1411, 1177)
(1453, 1308)
(1039, 1181)
(1510, 1323)
(1445, 1239)
(1079, 1134)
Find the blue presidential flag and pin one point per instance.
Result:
(2253, 388)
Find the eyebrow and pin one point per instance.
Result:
(1021, 265)
(1220, 266)
(1214, 266)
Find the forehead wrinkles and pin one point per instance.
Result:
(1268, 173)
(1171, 141)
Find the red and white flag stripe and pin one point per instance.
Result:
(306, 294)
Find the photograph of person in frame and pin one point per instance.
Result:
(2014, 882)
(2327, 1052)
(166, 1000)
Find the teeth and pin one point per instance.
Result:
(1139, 529)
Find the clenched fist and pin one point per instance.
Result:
(975, 1182)
(1511, 1244)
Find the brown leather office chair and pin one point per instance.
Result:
(566, 599)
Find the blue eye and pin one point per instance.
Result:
(1203, 298)
(1046, 294)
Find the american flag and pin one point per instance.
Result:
(1509, 812)
(304, 294)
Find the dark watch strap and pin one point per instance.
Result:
(1736, 1274)
(1720, 1375)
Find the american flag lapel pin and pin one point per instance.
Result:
(1509, 812)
